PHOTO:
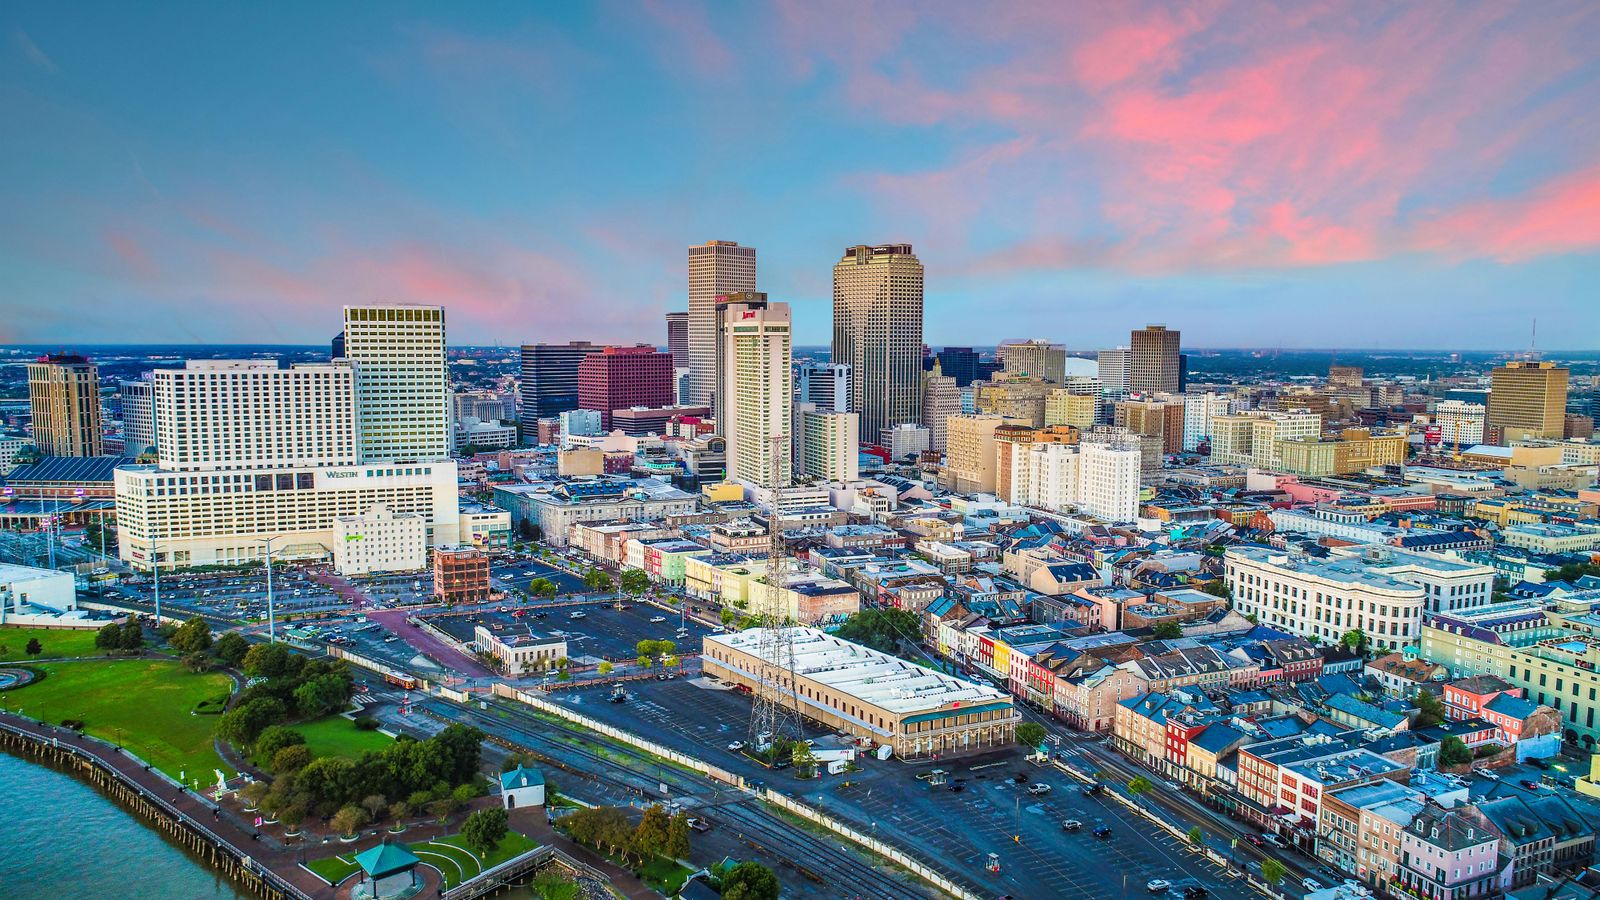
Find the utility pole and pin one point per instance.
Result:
(272, 623)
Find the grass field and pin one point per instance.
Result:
(338, 736)
(53, 641)
(457, 863)
(143, 703)
(334, 869)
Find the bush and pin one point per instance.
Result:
(74, 724)
(366, 723)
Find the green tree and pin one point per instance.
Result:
(276, 737)
(634, 582)
(597, 581)
(1216, 587)
(1357, 641)
(727, 616)
(1272, 870)
(1138, 786)
(650, 835)
(241, 725)
(33, 648)
(348, 819)
(132, 634)
(484, 830)
(231, 648)
(543, 587)
(750, 881)
(1453, 752)
(803, 759)
(193, 636)
(269, 661)
(1430, 710)
(882, 629)
(1167, 631)
(677, 838)
(605, 667)
(291, 759)
(1197, 838)
(321, 695)
(1030, 734)
(109, 637)
(197, 662)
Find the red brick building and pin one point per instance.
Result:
(623, 377)
(460, 574)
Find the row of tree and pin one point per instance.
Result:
(608, 828)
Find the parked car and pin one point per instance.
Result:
(1158, 885)
(1195, 892)
(654, 619)
(1490, 774)
(1103, 833)
(1038, 789)
(1093, 788)
(697, 824)
(1311, 884)
(1071, 825)
(957, 787)
(736, 746)
(1254, 840)
(1273, 840)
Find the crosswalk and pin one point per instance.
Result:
(364, 699)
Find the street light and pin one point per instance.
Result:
(272, 626)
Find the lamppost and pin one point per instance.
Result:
(272, 627)
(155, 575)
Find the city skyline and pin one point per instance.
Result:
(1378, 178)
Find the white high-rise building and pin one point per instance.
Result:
(1198, 411)
(941, 399)
(250, 452)
(829, 444)
(229, 414)
(1047, 475)
(138, 417)
(1460, 423)
(1108, 479)
(402, 382)
(757, 391)
(825, 385)
(877, 331)
(715, 268)
(1251, 438)
(1115, 373)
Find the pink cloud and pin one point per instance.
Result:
(1561, 216)
(686, 36)
(1149, 47)
(131, 253)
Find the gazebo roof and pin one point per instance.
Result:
(520, 777)
(386, 859)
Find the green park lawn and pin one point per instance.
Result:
(334, 869)
(146, 704)
(457, 863)
(52, 641)
(338, 736)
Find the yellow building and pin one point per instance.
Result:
(1355, 450)
(970, 457)
(1528, 400)
(1063, 407)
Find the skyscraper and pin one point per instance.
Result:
(402, 382)
(960, 363)
(941, 399)
(622, 377)
(757, 391)
(1040, 359)
(877, 331)
(716, 268)
(64, 396)
(1527, 400)
(678, 339)
(826, 385)
(1153, 361)
(549, 383)
(138, 417)
(828, 447)
(1113, 366)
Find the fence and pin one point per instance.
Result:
(515, 871)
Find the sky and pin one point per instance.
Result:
(1305, 174)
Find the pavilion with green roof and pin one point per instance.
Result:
(389, 871)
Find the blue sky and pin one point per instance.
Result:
(1356, 176)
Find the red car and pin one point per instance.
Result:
(1255, 840)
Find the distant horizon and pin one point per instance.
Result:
(1371, 351)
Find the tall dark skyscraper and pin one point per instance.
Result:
(960, 363)
(549, 385)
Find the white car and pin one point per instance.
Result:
(1490, 774)
(1038, 788)
(1311, 884)
(654, 619)
(736, 746)
(1157, 885)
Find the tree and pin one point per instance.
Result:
(132, 634)
(322, 694)
(650, 835)
(1030, 734)
(269, 661)
(677, 837)
(727, 616)
(1196, 837)
(1216, 587)
(375, 805)
(882, 629)
(597, 581)
(803, 759)
(634, 582)
(348, 819)
(750, 881)
(1430, 710)
(241, 725)
(291, 759)
(606, 668)
(1272, 870)
(292, 815)
(231, 648)
(484, 830)
(276, 737)
(1139, 785)
(1453, 752)
(109, 637)
(1167, 631)
(197, 662)
(1357, 641)
(193, 636)
(543, 587)
(34, 648)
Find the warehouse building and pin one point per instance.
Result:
(919, 713)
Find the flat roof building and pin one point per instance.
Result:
(921, 714)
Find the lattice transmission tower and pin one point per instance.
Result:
(775, 712)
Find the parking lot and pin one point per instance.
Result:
(233, 595)
(979, 810)
(593, 631)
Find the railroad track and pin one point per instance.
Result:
(833, 869)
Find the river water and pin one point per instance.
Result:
(64, 839)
